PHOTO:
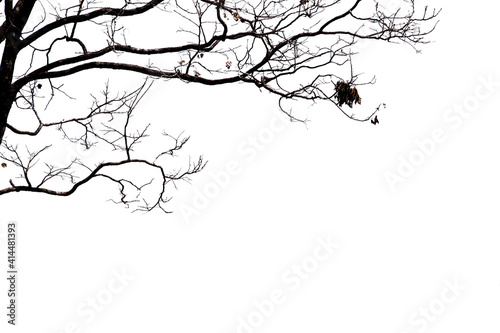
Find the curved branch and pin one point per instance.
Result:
(125, 67)
(87, 17)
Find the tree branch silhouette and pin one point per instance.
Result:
(295, 50)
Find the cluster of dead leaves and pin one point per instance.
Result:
(236, 16)
(346, 94)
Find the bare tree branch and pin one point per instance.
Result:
(296, 50)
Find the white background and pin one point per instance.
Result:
(397, 248)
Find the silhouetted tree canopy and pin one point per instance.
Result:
(294, 49)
